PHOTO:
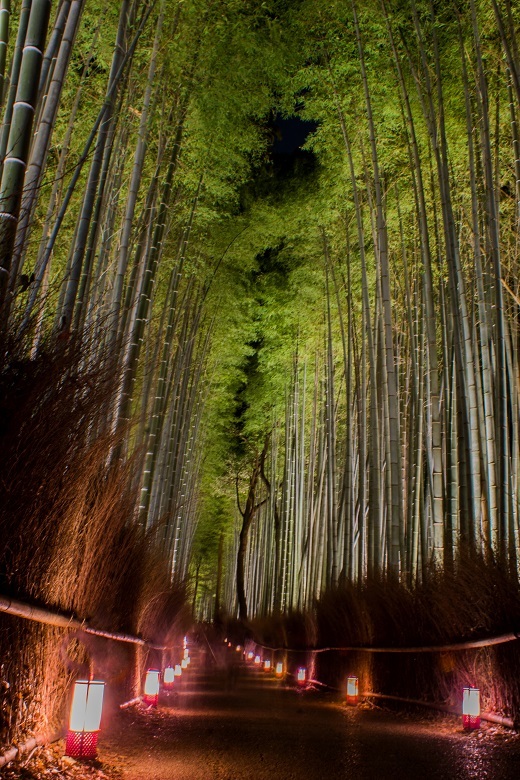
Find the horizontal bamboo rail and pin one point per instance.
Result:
(490, 717)
(28, 747)
(471, 645)
(51, 618)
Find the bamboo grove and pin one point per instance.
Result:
(397, 451)
(316, 354)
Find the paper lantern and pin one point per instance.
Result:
(352, 690)
(279, 669)
(267, 665)
(178, 671)
(258, 660)
(471, 708)
(250, 656)
(151, 687)
(238, 648)
(301, 675)
(186, 653)
(85, 718)
(184, 664)
(169, 677)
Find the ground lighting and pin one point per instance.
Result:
(471, 708)
(267, 665)
(279, 669)
(169, 677)
(151, 687)
(85, 717)
(258, 660)
(352, 690)
(301, 675)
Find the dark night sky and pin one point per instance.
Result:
(290, 134)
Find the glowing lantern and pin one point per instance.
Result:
(301, 675)
(279, 669)
(238, 648)
(85, 717)
(250, 656)
(188, 660)
(186, 653)
(258, 660)
(178, 670)
(267, 665)
(185, 643)
(184, 664)
(151, 687)
(471, 708)
(169, 677)
(352, 690)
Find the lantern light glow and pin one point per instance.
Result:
(85, 718)
(301, 675)
(169, 677)
(267, 665)
(151, 687)
(471, 708)
(279, 669)
(258, 660)
(178, 670)
(250, 656)
(352, 690)
(184, 664)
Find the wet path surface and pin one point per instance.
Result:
(261, 729)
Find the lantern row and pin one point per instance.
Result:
(87, 700)
(470, 696)
(87, 706)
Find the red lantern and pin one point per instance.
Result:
(352, 690)
(151, 687)
(471, 708)
(85, 718)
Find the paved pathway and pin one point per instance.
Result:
(259, 729)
